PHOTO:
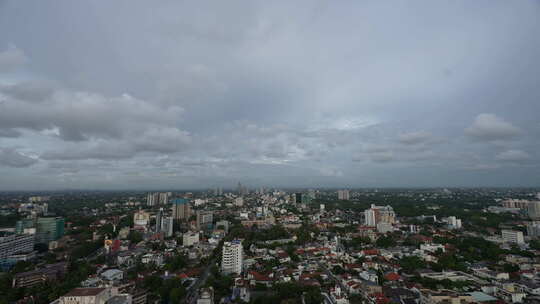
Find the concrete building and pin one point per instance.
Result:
(152, 199)
(533, 228)
(14, 244)
(453, 222)
(343, 195)
(512, 236)
(224, 224)
(167, 226)
(49, 229)
(205, 219)
(87, 296)
(190, 238)
(379, 214)
(533, 210)
(232, 257)
(181, 210)
(206, 296)
(141, 219)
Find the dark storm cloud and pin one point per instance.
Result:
(184, 94)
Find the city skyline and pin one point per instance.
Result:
(132, 95)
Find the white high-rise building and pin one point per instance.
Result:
(512, 236)
(370, 219)
(152, 199)
(343, 195)
(232, 257)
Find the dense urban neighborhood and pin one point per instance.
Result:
(379, 246)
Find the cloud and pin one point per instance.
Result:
(12, 158)
(513, 156)
(414, 138)
(11, 58)
(81, 116)
(489, 127)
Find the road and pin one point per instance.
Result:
(193, 291)
(331, 275)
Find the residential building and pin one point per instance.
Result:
(379, 214)
(343, 195)
(232, 257)
(190, 238)
(205, 219)
(152, 199)
(167, 226)
(533, 210)
(181, 210)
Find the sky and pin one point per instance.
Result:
(193, 94)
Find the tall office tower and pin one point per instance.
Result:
(163, 198)
(152, 199)
(232, 257)
(167, 226)
(14, 244)
(159, 215)
(379, 214)
(181, 210)
(343, 195)
(533, 210)
(49, 229)
(205, 219)
(220, 191)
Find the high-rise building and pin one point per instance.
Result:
(533, 210)
(205, 219)
(181, 210)
(159, 215)
(379, 214)
(167, 226)
(232, 257)
(152, 199)
(533, 228)
(164, 198)
(512, 236)
(49, 229)
(141, 219)
(343, 195)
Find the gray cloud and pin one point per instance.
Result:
(513, 155)
(11, 57)
(489, 127)
(188, 94)
(13, 158)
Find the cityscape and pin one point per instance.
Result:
(270, 152)
(264, 245)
